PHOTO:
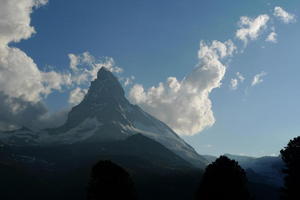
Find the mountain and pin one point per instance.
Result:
(55, 163)
(105, 115)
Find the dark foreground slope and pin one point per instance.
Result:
(37, 172)
(264, 174)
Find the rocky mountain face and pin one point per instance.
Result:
(105, 115)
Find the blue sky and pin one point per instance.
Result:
(154, 40)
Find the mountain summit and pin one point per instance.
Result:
(106, 85)
(102, 102)
(105, 115)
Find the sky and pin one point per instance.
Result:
(222, 74)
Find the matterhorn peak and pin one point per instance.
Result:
(105, 85)
(106, 115)
(104, 97)
(104, 73)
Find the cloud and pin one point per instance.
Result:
(15, 20)
(22, 84)
(283, 15)
(38, 3)
(258, 78)
(240, 76)
(185, 104)
(250, 28)
(73, 61)
(234, 82)
(77, 95)
(129, 80)
(272, 37)
(51, 119)
(84, 67)
(16, 112)
(19, 75)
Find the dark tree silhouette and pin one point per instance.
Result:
(223, 179)
(110, 181)
(291, 156)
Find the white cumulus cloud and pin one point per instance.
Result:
(250, 29)
(240, 76)
(129, 80)
(22, 84)
(84, 67)
(19, 75)
(77, 95)
(272, 37)
(258, 78)
(185, 104)
(15, 19)
(234, 82)
(284, 15)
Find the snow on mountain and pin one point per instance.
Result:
(19, 137)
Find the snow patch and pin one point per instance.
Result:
(83, 131)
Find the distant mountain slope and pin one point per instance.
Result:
(60, 157)
(267, 169)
